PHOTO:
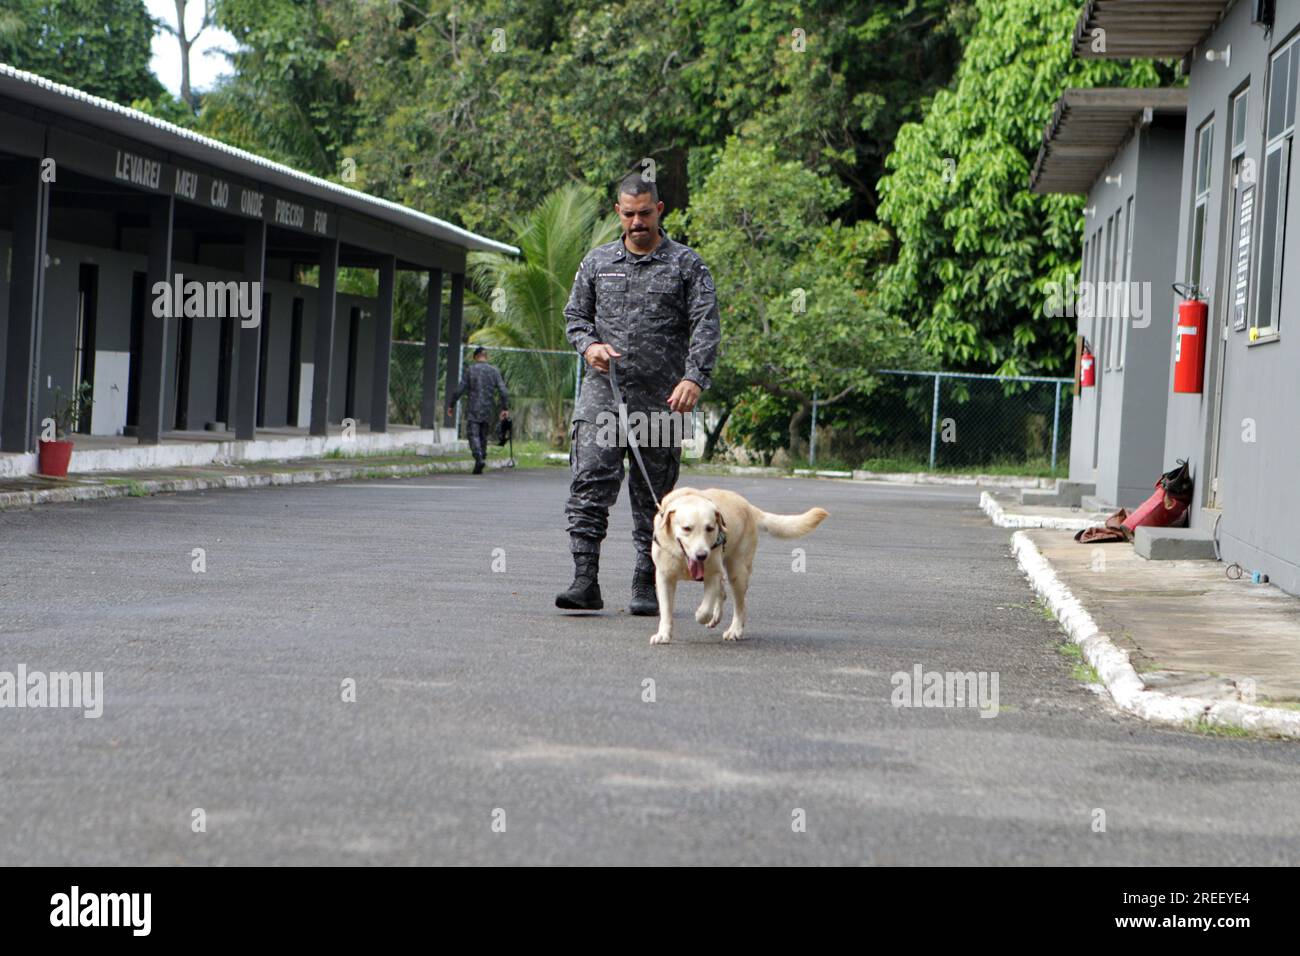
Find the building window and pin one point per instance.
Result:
(1241, 201)
(1127, 300)
(1277, 173)
(1201, 209)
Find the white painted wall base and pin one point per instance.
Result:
(173, 454)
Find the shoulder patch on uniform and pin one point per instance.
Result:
(706, 278)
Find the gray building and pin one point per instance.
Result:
(102, 208)
(1123, 149)
(1237, 237)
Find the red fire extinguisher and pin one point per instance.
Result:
(1189, 339)
(1087, 367)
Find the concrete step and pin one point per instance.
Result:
(1066, 494)
(1095, 503)
(1173, 544)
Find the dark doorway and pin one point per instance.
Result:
(263, 347)
(354, 330)
(184, 345)
(137, 354)
(295, 363)
(83, 372)
(225, 358)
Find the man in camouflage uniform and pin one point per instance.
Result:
(481, 379)
(647, 303)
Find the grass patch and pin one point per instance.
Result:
(135, 489)
(1081, 670)
(1070, 650)
(1283, 704)
(1203, 726)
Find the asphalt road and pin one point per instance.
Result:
(476, 700)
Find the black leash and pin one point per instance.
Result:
(636, 452)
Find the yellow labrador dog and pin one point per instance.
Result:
(698, 534)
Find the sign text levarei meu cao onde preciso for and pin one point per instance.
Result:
(217, 193)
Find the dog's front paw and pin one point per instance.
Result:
(661, 637)
(733, 633)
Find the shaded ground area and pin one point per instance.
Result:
(474, 695)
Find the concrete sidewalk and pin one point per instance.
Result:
(1173, 641)
(1005, 509)
(38, 490)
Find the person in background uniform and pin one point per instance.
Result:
(647, 303)
(481, 378)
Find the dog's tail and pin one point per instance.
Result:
(791, 526)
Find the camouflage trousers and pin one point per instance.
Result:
(597, 470)
(478, 438)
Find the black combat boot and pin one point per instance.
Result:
(644, 601)
(584, 593)
(478, 467)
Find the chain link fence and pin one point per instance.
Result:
(912, 421)
(944, 421)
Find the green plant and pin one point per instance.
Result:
(69, 409)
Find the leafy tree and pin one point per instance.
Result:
(100, 46)
(480, 109)
(287, 98)
(520, 301)
(974, 245)
(792, 285)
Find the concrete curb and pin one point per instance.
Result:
(939, 478)
(1126, 688)
(20, 499)
(894, 477)
(1008, 519)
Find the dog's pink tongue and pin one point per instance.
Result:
(696, 567)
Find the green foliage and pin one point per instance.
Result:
(975, 252)
(475, 111)
(100, 46)
(520, 301)
(69, 409)
(289, 97)
(792, 285)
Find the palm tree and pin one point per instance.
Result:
(522, 299)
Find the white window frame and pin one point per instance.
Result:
(1267, 327)
(1202, 169)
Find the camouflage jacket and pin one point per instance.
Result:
(659, 311)
(480, 379)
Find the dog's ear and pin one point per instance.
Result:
(721, 523)
(664, 519)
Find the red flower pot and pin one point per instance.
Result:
(54, 457)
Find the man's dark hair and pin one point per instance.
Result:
(634, 185)
(479, 351)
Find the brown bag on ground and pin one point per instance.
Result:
(1113, 530)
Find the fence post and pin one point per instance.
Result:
(1056, 425)
(934, 420)
(812, 437)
